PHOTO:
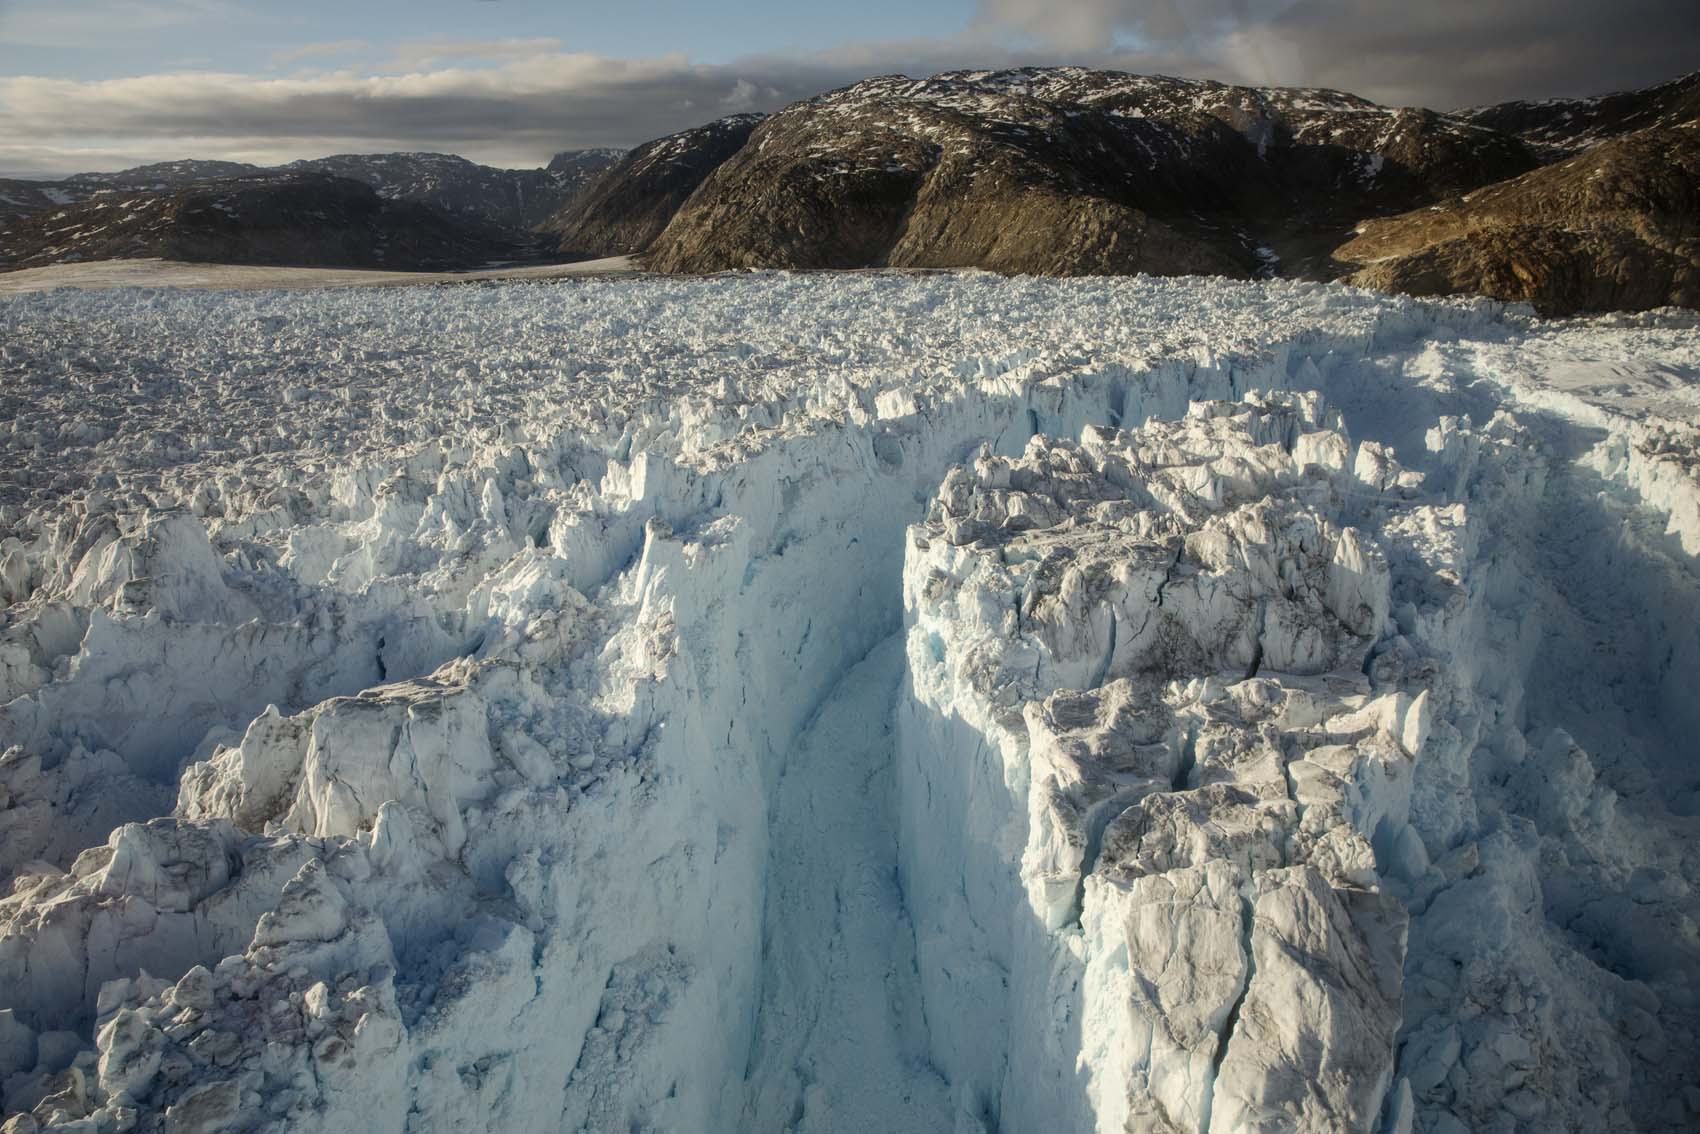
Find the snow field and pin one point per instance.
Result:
(576, 809)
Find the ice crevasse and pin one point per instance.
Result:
(761, 719)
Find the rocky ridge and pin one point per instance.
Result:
(1616, 227)
(302, 219)
(515, 198)
(1562, 127)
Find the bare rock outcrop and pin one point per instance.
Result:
(625, 208)
(1614, 228)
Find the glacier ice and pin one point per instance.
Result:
(834, 703)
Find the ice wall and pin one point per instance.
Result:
(1141, 770)
(1205, 715)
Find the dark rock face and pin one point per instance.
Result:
(629, 204)
(1561, 127)
(516, 198)
(1615, 228)
(1071, 171)
(576, 169)
(19, 198)
(298, 219)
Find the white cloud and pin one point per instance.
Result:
(329, 50)
(422, 55)
(533, 101)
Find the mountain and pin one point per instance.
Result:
(626, 208)
(517, 198)
(1561, 127)
(578, 168)
(269, 218)
(162, 175)
(1071, 171)
(19, 197)
(1615, 228)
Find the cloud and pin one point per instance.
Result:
(318, 51)
(1441, 53)
(530, 102)
(422, 55)
(518, 101)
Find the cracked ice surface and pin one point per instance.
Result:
(466, 708)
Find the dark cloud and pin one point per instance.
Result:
(1462, 52)
(1439, 53)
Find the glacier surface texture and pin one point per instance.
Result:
(847, 703)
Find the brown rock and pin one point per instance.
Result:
(1614, 228)
(1068, 171)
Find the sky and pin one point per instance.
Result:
(104, 84)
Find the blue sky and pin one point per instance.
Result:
(98, 39)
(102, 84)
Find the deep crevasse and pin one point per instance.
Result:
(568, 831)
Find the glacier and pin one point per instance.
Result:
(846, 702)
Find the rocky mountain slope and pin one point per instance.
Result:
(626, 208)
(19, 197)
(515, 198)
(299, 218)
(1616, 227)
(1558, 128)
(163, 174)
(1071, 171)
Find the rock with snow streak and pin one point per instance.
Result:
(1069, 171)
(19, 198)
(1616, 228)
(1557, 128)
(298, 219)
(519, 199)
(630, 202)
(513, 198)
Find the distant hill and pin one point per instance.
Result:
(1558, 128)
(515, 198)
(268, 218)
(162, 174)
(20, 197)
